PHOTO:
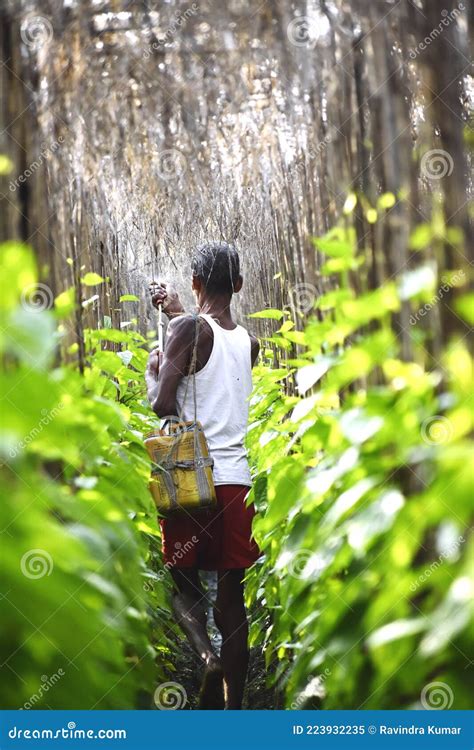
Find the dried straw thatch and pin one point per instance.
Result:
(164, 123)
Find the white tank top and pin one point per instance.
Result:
(223, 387)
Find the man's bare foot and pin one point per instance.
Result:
(211, 695)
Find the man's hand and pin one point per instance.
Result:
(155, 359)
(162, 293)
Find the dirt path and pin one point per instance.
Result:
(189, 668)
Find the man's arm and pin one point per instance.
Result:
(151, 374)
(163, 377)
(254, 348)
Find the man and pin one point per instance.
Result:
(214, 540)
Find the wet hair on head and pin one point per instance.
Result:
(217, 264)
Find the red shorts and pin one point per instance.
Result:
(213, 540)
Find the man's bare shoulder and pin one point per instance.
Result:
(182, 326)
(182, 332)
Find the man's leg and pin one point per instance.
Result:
(231, 619)
(191, 616)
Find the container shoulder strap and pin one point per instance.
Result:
(192, 370)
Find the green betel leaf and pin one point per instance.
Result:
(338, 243)
(386, 201)
(108, 361)
(125, 357)
(464, 306)
(337, 265)
(6, 165)
(82, 452)
(65, 302)
(270, 313)
(18, 273)
(92, 279)
(372, 305)
(421, 237)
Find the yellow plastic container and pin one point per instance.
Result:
(181, 475)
